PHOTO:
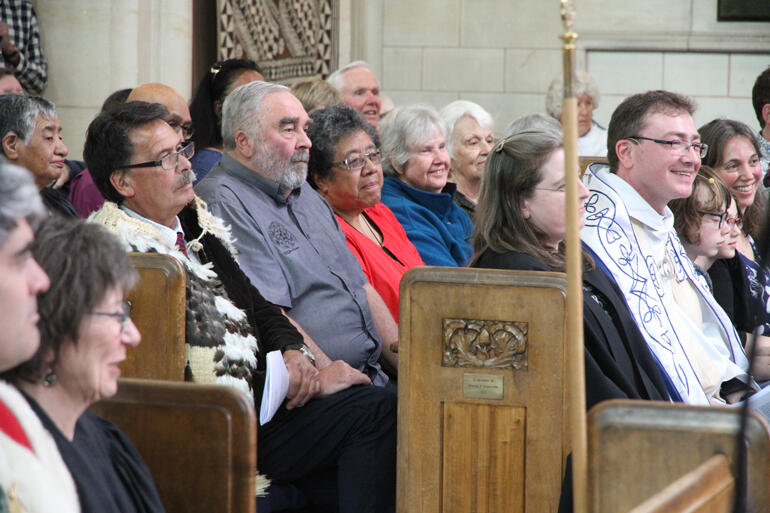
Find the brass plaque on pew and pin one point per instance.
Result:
(458, 453)
(483, 386)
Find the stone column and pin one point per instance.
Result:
(95, 47)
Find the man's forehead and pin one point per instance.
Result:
(671, 121)
(357, 77)
(44, 123)
(283, 105)
(153, 138)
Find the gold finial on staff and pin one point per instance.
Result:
(575, 351)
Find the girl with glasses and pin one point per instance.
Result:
(701, 220)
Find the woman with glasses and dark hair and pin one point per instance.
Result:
(85, 331)
(734, 154)
(345, 167)
(206, 109)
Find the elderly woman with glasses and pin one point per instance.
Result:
(734, 154)
(85, 331)
(416, 166)
(345, 168)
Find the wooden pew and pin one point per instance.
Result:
(638, 451)
(709, 488)
(482, 417)
(584, 161)
(198, 440)
(158, 310)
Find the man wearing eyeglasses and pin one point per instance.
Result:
(327, 428)
(290, 245)
(654, 153)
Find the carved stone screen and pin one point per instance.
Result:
(288, 39)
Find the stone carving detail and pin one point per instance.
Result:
(485, 344)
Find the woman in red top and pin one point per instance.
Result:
(345, 168)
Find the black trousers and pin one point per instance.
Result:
(339, 450)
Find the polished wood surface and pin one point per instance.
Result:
(468, 332)
(637, 448)
(583, 162)
(708, 488)
(198, 440)
(158, 310)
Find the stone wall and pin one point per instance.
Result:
(95, 47)
(503, 54)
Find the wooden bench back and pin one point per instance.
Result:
(158, 310)
(583, 162)
(709, 488)
(638, 448)
(198, 440)
(482, 416)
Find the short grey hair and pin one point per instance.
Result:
(19, 199)
(19, 114)
(452, 113)
(584, 85)
(536, 121)
(405, 128)
(241, 109)
(336, 80)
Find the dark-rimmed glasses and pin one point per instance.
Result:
(676, 146)
(170, 161)
(357, 162)
(717, 216)
(122, 317)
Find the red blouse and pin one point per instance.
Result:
(383, 270)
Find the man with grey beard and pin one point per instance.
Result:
(290, 245)
(328, 426)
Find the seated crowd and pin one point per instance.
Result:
(296, 212)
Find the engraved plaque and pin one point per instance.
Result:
(483, 386)
(485, 344)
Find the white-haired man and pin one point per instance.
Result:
(360, 89)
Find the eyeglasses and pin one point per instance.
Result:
(677, 146)
(357, 162)
(170, 161)
(716, 216)
(561, 188)
(735, 221)
(123, 316)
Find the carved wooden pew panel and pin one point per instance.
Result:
(482, 417)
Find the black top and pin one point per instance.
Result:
(618, 362)
(273, 330)
(731, 290)
(109, 474)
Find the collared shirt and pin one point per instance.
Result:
(293, 251)
(169, 234)
(32, 69)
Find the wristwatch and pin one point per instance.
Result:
(307, 352)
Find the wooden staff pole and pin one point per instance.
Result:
(575, 375)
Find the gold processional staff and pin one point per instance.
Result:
(576, 376)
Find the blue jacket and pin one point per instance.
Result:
(439, 229)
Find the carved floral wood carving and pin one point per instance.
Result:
(485, 344)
